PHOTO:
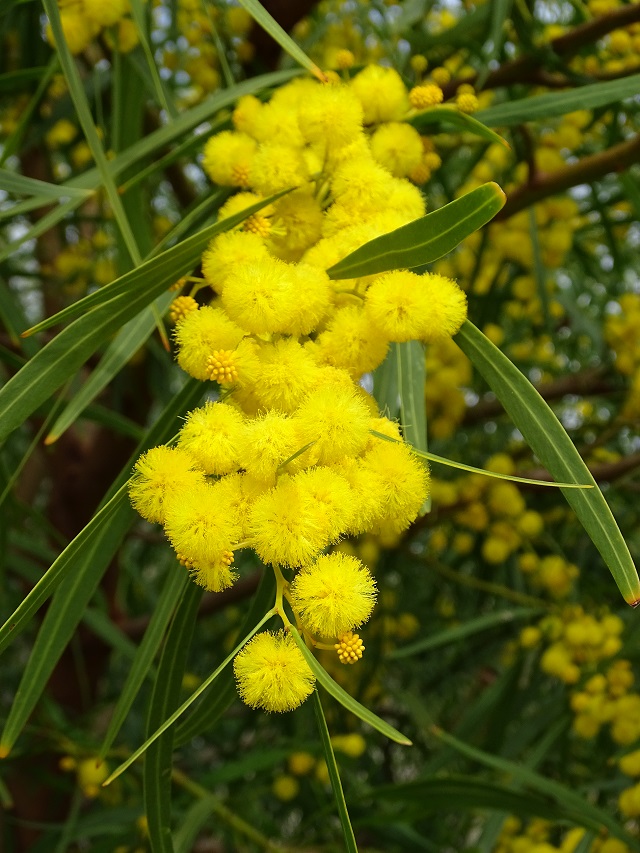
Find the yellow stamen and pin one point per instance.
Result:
(221, 367)
(349, 648)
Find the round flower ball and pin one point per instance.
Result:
(333, 595)
(272, 674)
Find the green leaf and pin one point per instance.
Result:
(456, 792)
(150, 144)
(551, 444)
(122, 348)
(117, 304)
(161, 93)
(343, 697)
(185, 837)
(14, 183)
(459, 632)
(559, 103)
(61, 621)
(270, 25)
(585, 812)
(500, 11)
(411, 378)
(81, 104)
(171, 720)
(334, 776)
(174, 586)
(162, 431)
(452, 117)
(208, 711)
(158, 272)
(426, 239)
(385, 384)
(158, 758)
(12, 144)
(432, 457)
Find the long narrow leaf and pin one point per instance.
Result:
(61, 621)
(541, 785)
(122, 348)
(162, 430)
(452, 117)
(334, 776)
(268, 23)
(173, 587)
(344, 698)
(157, 760)
(426, 239)
(559, 103)
(171, 720)
(549, 441)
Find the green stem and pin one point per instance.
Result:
(225, 814)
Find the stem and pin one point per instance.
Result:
(225, 814)
(615, 159)
(487, 586)
(282, 588)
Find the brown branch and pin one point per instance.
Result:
(525, 69)
(606, 472)
(588, 169)
(591, 381)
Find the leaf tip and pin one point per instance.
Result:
(27, 332)
(50, 439)
(4, 750)
(498, 191)
(634, 602)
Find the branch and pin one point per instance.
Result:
(615, 159)
(525, 68)
(592, 381)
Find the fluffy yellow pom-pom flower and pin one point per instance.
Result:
(310, 298)
(406, 306)
(285, 373)
(157, 473)
(277, 167)
(202, 533)
(337, 420)
(199, 334)
(213, 435)
(428, 95)
(228, 157)
(286, 527)
(331, 115)
(269, 440)
(331, 494)
(334, 595)
(382, 94)
(397, 147)
(260, 297)
(272, 674)
(406, 483)
(347, 342)
(226, 251)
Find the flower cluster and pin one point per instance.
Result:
(542, 836)
(83, 20)
(295, 455)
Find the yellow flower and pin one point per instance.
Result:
(202, 533)
(228, 250)
(286, 527)
(213, 435)
(382, 94)
(284, 375)
(397, 147)
(336, 420)
(277, 166)
(260, 297)
(268, 441)
(427, 95)
(405, 483)
(272, 674)
(347, 342)
(228, 157)
(331, 495)
(334, 595)
(199, 334)
(157, 473)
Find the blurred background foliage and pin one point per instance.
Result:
(500, 645)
